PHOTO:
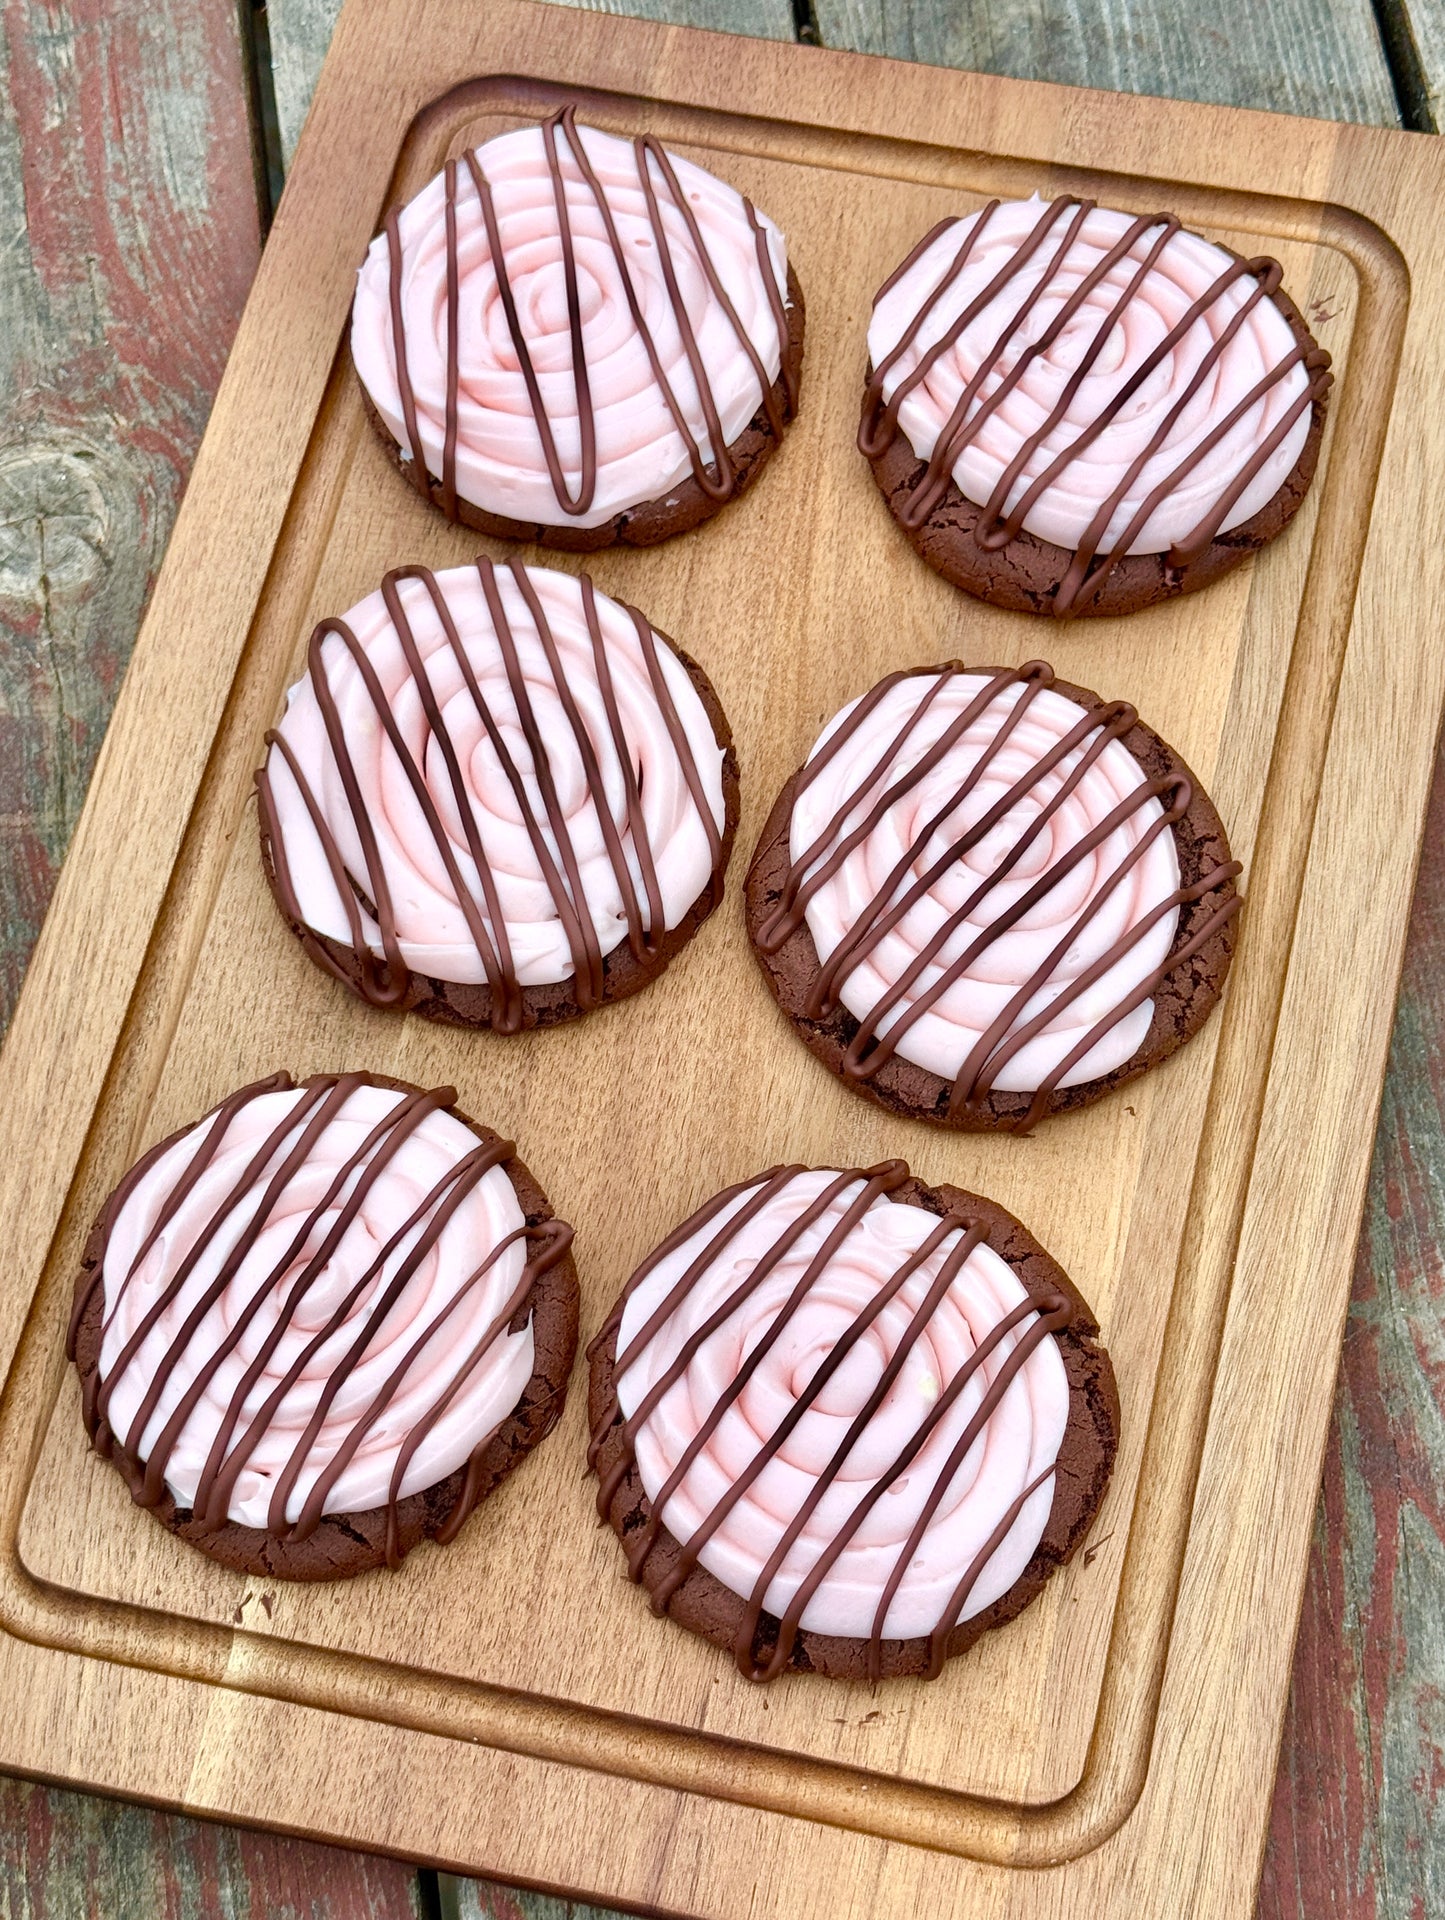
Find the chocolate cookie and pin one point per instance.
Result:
(845, 1423)
(590, 339)
(1073, 411)
(989, 896)
(497, 797)
(231, 1328)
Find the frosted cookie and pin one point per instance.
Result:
(321, 1324)
(577, 339)
(989, 896)
(845, 1423)
(1073, 411)
(497, 797)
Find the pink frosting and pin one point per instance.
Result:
(1020, 1440)
(501, 467)
(485, 1217)
(1184, 271)
(432, 929)
(942, 1038)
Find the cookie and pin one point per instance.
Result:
(322, 1323)
(1073, 411)
(989, 896)
(497, 797)
(845, 1423)
(589, 339)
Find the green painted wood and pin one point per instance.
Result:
(68, 1855)
(1415, 36)
(1319, 57)
(301, 33)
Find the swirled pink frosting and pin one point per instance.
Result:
(485, 1217)
(1020, 1439)
(1184, 271)
(942, 1037)
(431, 927)
(501, 466)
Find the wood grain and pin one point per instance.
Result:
(1318, 57)
(226, 1756)
(68, 1854)
(301, 32)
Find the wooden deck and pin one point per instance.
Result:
(140, 150)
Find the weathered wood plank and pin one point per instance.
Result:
(1415, 35)
(484, 1900)
(67, 1854)
(301, 33)
(1324, 58)
(126, 162)
(1360, 1800)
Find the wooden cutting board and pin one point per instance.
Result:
(508, 1706)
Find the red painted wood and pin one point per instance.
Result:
(1358, 1826)
(125, 139)
(68, 1855)
(485, 1900)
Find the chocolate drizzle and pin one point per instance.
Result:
(385, 982)
(1032, 1321)
(712, 469)
(999, 523)
(262, 1187)
(908, 882)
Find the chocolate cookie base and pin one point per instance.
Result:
(1025, 574)
(1086, 1457)
(472, 1004)
(345, 1544)
(1182, 1002)
(682, 508)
